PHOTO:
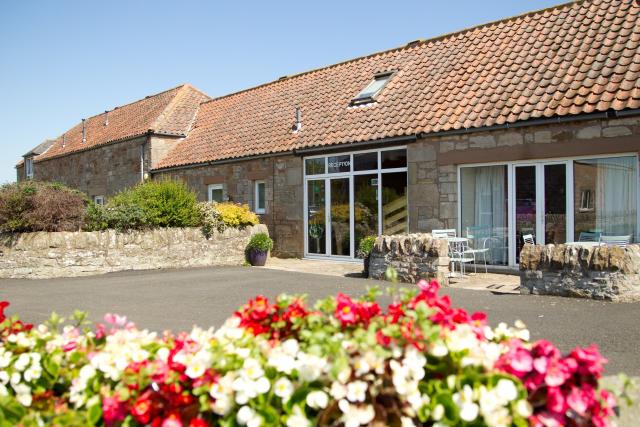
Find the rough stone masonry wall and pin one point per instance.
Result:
(603, 272)
(284, 194)
(68, 254)
(413, 256)
(433, 161)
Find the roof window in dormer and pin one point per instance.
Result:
(369, 93)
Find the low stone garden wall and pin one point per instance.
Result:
(413, 256)
(604, 273)
(67, 254)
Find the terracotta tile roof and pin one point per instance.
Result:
(574, 58)
(170, 112)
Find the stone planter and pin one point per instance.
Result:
(257, 258)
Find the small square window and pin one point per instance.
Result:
(339, 164)
(98, 200)
(315, 166)
(365, 161)
(394, 159)
(216, 193)
(260, 206)
(372, 89)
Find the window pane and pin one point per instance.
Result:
(340, 217)
(394, 159)
(365, 189)
(605, 197)
(365, 161)
(314, 166)
(261, 191)
(394, 203)
(316, 217)
(483, 198)
(555, 204)
(339, 164)
(216, 195)
(373, 88)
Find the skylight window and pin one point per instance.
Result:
(369, 93)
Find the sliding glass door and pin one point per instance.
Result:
(552, 201)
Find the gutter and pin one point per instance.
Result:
(610, 114)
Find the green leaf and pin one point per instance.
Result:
(95, 414)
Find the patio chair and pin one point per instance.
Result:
(460, 253)
(621, 241)
(587, 236)
(444, 233)
(528, 239)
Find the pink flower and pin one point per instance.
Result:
(172, 421)
(589, 360)
(556, 401)
(580, 399)
(547, 419)
(71, 345)
(113, 410)
(115, 319)
(346, 310)
(558, 372)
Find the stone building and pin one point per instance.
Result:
(529, 125)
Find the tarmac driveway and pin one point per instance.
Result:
(177, 299)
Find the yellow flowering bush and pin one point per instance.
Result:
(236, 215)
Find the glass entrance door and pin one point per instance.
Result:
(329, 217)
(540, 204)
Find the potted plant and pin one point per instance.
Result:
(258, 249)
(364, 251)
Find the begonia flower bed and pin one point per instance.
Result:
(342, 362)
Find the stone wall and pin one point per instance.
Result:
(101, 171)
(284, 193)
(413, 256)
(68, 254)
(602, 272)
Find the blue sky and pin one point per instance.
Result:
(61, 61)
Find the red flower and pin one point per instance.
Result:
(113, 410)
(198, 422)
(142, 408)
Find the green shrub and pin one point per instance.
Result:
(40, 206)
(366, 246)
(121, 218)
(260, 242)
(210, 218)
(163, 203)
(236, 215)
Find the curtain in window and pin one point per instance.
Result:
(490, 211)
(616, 194)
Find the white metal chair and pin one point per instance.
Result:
(460, 253)
(586, 236)
(528, 239)
(621, 241)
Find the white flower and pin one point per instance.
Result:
(290, 347)
(283, 389)
(355, 415)
(3, 390)
(407, 422)
(317, 399)
(4, 377)
(310, 367)
(438, 349)
(15, 379)
(464, 400)
(462, 338)
(298, 419)
(356, 391)
(498, 418)
(22, 362)
(338, 391)
(248, 417)
(23, 394)
(32, 373)
(344, 375)
(523, 408)
(438, 412)
(251, 369)
(361, 366)
(5, 358)
(282, 361)
(222, 405)
(506, 390)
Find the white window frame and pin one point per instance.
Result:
(98, 200)
(28, 167)
(539, 164)
(211, 188)
(351, 173)
(256, 199)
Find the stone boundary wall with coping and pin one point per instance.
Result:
(602, 272)
(44, 255)
(413, 256)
